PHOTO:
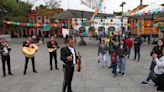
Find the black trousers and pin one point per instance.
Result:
(68, 75)
(137, 52)
(53, 55)
(4, 60)
(26, 64)
(160, 83)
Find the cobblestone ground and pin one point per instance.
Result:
(92, 78)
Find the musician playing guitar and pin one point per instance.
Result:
(52, 48)
(27, 44)
(5, 56)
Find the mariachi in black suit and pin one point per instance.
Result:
(50, 44)
(27, 44)
(5, 58)
(68, 68)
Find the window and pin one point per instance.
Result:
(111, 20)
(31, 20)
(46, 20)
(39, 19)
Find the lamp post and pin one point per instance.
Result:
(122, 5)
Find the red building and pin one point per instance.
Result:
(41, 17)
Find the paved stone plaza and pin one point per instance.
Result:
(92, 78)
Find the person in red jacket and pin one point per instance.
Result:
(129, 43)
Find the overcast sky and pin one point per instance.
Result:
(111, 5)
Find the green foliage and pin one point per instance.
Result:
(16, 11)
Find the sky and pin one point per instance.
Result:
(111, 5)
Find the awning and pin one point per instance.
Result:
(48, 28)
(162, 28)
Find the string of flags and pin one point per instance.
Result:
(85, 23)
(30, 24)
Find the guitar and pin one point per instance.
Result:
(79, 62)
(52, 49)
(31, 50)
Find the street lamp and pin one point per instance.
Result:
(122, 5)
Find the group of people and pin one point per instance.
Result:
(118, 52)
(68, 55)
(5, 55)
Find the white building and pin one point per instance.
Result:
(115, 22)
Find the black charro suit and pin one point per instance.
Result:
(53, 54)
(68, 68)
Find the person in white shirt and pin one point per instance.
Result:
(69, 58)
(159, 70)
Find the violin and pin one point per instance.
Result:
(79, 62)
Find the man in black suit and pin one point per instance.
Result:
(27, 44)
(5, 56)
(69, 57)
(52, 44)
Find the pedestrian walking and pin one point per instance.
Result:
(158, 51)
(159, 70)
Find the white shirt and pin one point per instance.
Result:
(5, 50)
(159, 68)
(73, 53)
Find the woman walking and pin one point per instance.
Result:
(159, 70)
(158, 51)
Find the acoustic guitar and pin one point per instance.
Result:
(30, 51)
(51, 49)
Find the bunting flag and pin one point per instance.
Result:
(30, 24)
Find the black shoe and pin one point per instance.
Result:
(144, 82)
(119, 72)
(123, 74)
(57, 68)
(51, 69)
(4, 75)
(11, 74)
(24, 73)
(35, 71)
(110, 67)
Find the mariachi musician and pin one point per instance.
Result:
(5, 56)
(27, 44)
(70, 59)
(52, 48)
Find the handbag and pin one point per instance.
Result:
(154, 77)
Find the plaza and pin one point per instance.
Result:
(92, 78)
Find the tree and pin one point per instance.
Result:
(16, 11)
(52, 4)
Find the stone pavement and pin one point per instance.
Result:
(92, 78)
